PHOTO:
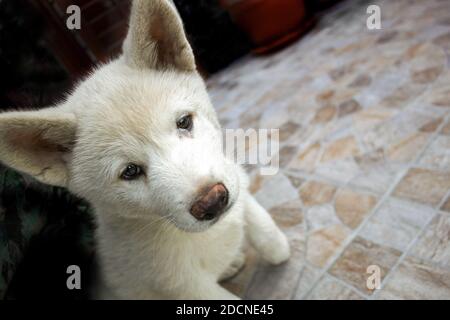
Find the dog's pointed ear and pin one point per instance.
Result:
(38, 143)
(156, 37)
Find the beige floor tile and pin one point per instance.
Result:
(441, 98)
(351, 266)
(437, 155)
(368, 119)
(352, 207)
(446, 205)
(323, 244)
(325, 114)
(431, 126)
(396, 130)
(446, 129)
(443, 40)
(307, 158)
(295, 181)
(416, 279)
(426, 75)
(275, 190)
(288, 214)
(423, 185)
(315, 192)
(403, 95)
(287, 130)
(340, 149)
(342, 171)
(286, 154)
(407, 149)
(329, 288)
(348, 107)
(434, 243)
(396, 223)
(320, 216)
(308, 278)
(376, 178)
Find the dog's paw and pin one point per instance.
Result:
(235, 267)
(277, 251)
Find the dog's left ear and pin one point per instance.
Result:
(38, 143)
(156, 38)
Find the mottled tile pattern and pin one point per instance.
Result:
(352, 207)
(352, 265)
(315, 192)
(396, 223)
(437, 154)
(331, 289)
(364, 179)
(308, 278)
(446, 205)
(417, 279)
(323, 244)
(424, 185)
(446, 129)
(288, 214)
(434, 243)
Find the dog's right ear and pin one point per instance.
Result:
(156, 37)
(38, 143)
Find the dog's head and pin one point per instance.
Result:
(139, 135)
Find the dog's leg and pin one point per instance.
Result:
(264, 234)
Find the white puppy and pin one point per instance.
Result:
(140, 140)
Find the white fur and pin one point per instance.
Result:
(149, 245)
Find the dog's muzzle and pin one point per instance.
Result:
(211, 203)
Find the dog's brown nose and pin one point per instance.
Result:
(211, 202)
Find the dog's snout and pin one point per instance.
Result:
(211, 203)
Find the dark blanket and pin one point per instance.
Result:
(43, 230)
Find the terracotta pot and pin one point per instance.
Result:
(269, 24)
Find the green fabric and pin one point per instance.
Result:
(29, 209)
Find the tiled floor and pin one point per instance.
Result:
(364, 119)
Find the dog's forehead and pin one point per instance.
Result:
(125, 102)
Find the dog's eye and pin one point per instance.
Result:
(131, 172)
(185, 122)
